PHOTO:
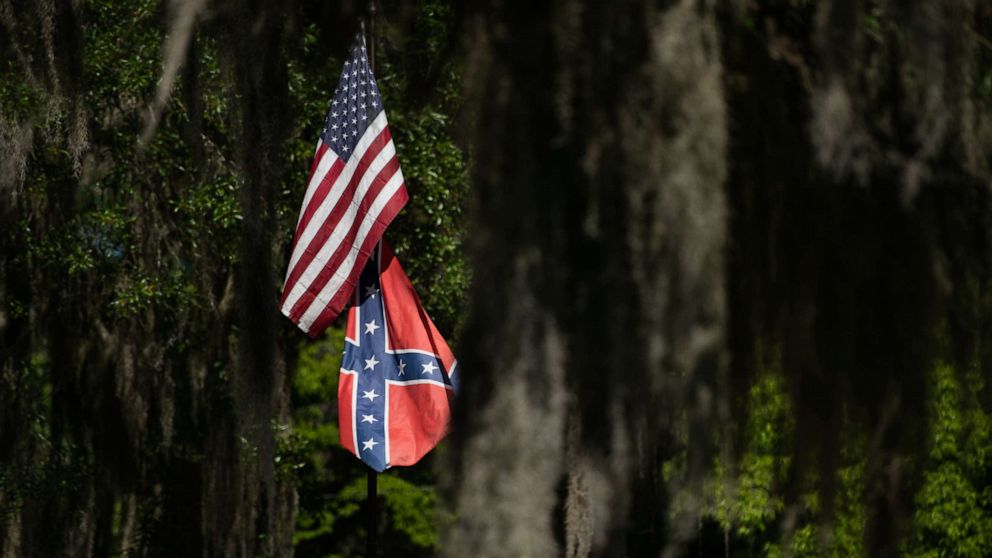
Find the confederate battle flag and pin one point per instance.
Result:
(397, 375)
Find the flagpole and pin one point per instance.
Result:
(372, 527)
(372, 493)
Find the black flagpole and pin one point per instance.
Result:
(372, 495)
(372, 527)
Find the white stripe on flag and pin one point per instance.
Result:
(419, 382)
(385, 421)
(324, 165)
(354, 411)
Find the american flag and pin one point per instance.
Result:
(397, 375)
(354, 191)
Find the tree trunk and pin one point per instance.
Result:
(599, 295)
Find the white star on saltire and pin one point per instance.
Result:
(370, 291)
(369, 444)
(369, 419)
(370, 395)
(402, 367)
(429, 368)
(370, 363)
(370, 327)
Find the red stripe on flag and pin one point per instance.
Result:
(317, 156)
(346, 395)
(351, 329)
(346, 199)
(320, 192)
(340, 298)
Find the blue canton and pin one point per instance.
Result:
(355, 105)
(368, 356)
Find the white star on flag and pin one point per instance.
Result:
(429, 368)
(369, 444)
(370, 327)
(370, 395)
(370, 363)
(369, 419)
(402, 368)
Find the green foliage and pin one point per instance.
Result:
(412, 509)
(954, 505)
(428, 234)
(750, 503)
(332, 482)
(755, 504)
(953, 516)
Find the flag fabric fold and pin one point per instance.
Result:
(354, 191)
